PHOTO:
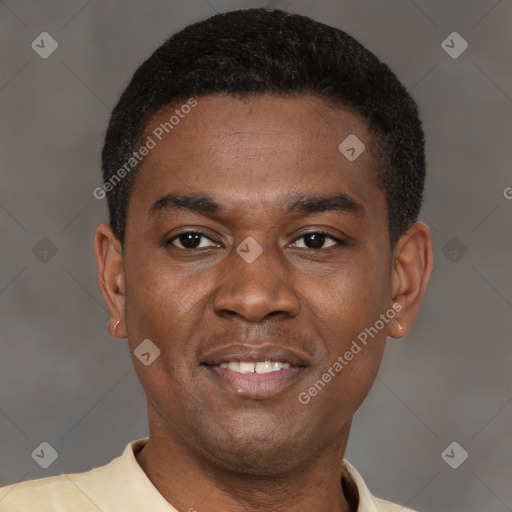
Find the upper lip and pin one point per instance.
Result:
(247, 353)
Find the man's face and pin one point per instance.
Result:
(205, 302)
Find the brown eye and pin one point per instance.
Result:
(189, 240)
(317, 239)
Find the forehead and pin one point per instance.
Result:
(259, 148)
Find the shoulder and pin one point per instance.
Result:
(50, 494)
(387, 506)
(113, 486)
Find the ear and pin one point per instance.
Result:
(413, 263)
(109, 260)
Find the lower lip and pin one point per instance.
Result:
(256, 385)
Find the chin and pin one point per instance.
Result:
(260, 461)
(254, 451)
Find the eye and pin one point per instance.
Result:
(190, 240)
(316, 240)
(197, 240)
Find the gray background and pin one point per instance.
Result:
(65, 381)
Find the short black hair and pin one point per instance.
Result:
(269, 51)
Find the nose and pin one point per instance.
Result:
(257, 289)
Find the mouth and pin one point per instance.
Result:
(255, 372)
(259, 367)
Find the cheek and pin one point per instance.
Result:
(347, 370)
(159, 301)
(349, 301)
(165, 307)
(346, 310)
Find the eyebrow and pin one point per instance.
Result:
(206, 205)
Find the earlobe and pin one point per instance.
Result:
(396, 330)
(413, 263)
(109, 260)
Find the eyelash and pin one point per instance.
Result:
(338, 241)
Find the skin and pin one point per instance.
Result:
(209, 448)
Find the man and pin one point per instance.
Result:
(264, 174)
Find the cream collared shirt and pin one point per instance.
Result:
(122, 486)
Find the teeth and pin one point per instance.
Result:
(247, 367)
(258, 367)
(265, 367)
(234, 366)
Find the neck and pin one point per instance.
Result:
(191, 484)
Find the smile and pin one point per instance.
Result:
(255, 372)
(255, 380)
(259, 367)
